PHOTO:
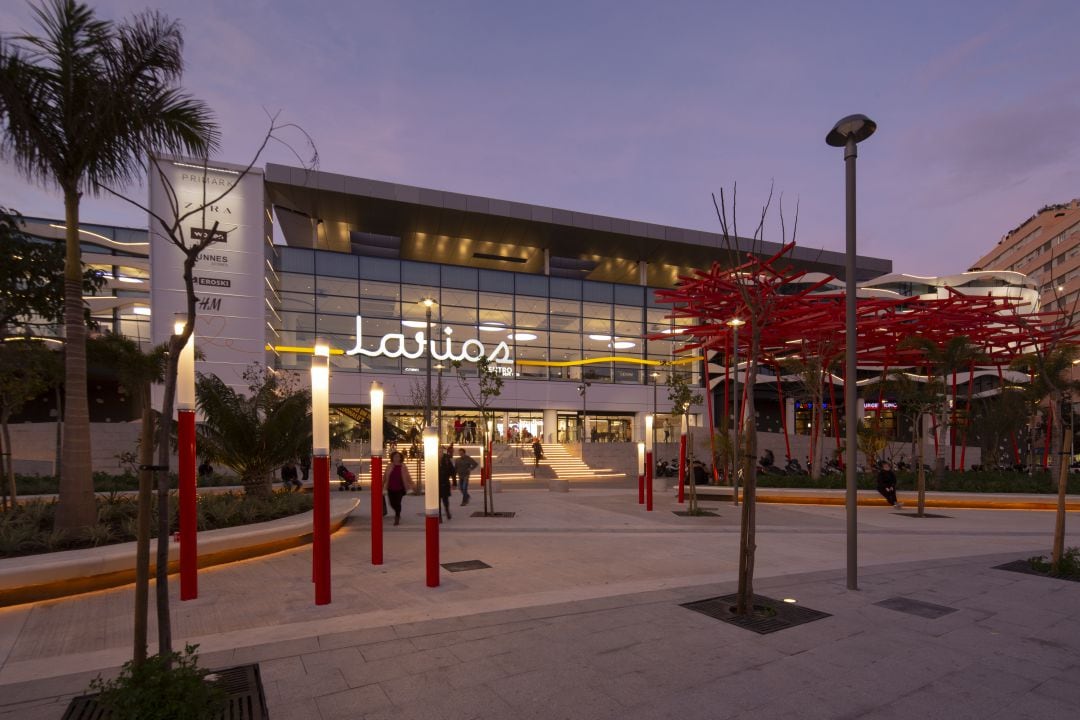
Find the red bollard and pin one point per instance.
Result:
(189, 554)
(431, 532)
(648, 480)
(376, 511)
(321, 529)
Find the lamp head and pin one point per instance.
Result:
(857, 127)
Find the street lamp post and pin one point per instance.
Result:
(428, 303)
(376, 472)
(734, 323)
(655, 382)
(583, 390)
(320, 442)
(185, 420)
(847, 133)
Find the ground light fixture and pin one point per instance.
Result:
(431, 503)
(376, 394)
(185, 448)
(848, 133)
(320, 442)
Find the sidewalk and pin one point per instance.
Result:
(579, 617)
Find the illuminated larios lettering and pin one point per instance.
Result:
(394, 345)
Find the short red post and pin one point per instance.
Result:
(189, 555)
(648, 480)
(376, 511)
(321, 537)
(641, 489)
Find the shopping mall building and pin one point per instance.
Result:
(560, 302)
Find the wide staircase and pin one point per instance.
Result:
(562, 464)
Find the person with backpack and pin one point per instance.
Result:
(348, 478)
(464, 464)
(289, 477)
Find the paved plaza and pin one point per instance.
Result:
(580, 616)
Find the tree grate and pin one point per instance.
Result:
(244, 698)
(1024, 566)
(481, 513)
(925, 515)
(769, 615)
(918, 608)
(699, 513)
(466, 565)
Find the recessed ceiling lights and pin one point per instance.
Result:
(600, 338)
(491, 326)
(522, 336)
(414, 323)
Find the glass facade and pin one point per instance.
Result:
(550, 324)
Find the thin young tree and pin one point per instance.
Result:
(489, 384)
(915, 399)
(81, 103)
(682, 397)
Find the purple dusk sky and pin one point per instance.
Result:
(641, 109)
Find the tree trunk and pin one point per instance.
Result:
(1063, 484)
(10, 461)
(142, 539)
(748, 534)
(5, 452)
(58, 468)
(75, 508)
(942, 434)
(259, 486)
(920, 483)
(163, 539)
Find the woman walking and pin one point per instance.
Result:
(397, 482)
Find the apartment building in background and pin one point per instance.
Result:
(1046, 248)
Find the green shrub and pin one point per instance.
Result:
(1070, 563)
(155, 691)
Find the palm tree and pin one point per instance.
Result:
(253, 435)
(81, 106)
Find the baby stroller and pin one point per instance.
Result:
(348, 478)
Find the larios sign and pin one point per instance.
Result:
(394, 345)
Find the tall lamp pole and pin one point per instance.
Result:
(734, 323)
(583, 388)
(655, 381)
(185, 420)
(320, 462)
(848, 133)
(376, 472)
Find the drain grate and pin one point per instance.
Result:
(481, 513)
(769, 615)
(918, 608)
(466, 565)
(244, 698)
(699, 513)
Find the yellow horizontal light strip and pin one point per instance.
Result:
(609, 358)
(97, 235)
(300, 350)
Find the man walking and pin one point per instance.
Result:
(464, 465)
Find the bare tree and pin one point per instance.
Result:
(489, 385)
(169, 226)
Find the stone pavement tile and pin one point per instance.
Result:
(303, 685)
(426, 688)
(1034, 707)
(353, 638)
(389, 649)
(979, 679)
(1025, 667)
(428, 627)
(269, 651)
(71, 685)
(352, 703)
(446, 639)
(46, 710)
(1025, 647)
(281, 668)
(317, 662)
(298, 709)
(459, 704)
(476, 672)
(1064, 687)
